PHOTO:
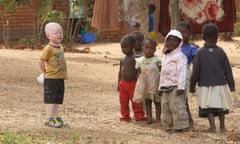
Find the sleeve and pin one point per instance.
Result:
(138, 62)
(45, 54)
(228, 73)
(159, 61)
(194, 51)
(182, 72)
(195, 72)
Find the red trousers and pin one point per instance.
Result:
(126, 92)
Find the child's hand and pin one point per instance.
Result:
(232, 89)
(180, 92)
(192, 90)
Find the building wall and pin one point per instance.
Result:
(22, 22)
(115, 35)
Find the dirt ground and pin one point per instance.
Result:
(91, 105)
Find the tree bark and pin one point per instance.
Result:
(174, 13)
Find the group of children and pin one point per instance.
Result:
(145, 78)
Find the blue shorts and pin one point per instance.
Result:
(53, 91)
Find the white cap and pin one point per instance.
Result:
(175, 33)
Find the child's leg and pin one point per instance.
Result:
(191, 123)
(148, 104)
(167, 118)
(124, 106)
(138, 111)
(211, 122)
(222, 123)
(55, 107)
(124, 88)
(158, 110)
(52, 110)
(137, 107)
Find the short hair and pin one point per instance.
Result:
(49, 26)
(152, 41)
(152, 6)
(210, 32)
(128, 39)
(137, 33)
(185, 25)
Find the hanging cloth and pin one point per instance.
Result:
(197, 13)
(106, 15)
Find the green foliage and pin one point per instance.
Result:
(88, 140)
(24, 40)
(79, 2)
(71, 137)
(11, 5)
(13, 138)
(74, 136)
(47, 13)
(66, 39)
(237, 29)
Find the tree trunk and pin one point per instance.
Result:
(174, 12)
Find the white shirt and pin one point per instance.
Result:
(174, 69)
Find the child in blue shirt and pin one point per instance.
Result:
(188, 48)
(151, 17)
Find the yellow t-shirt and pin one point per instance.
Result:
(56, 67)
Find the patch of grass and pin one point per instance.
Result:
(13, 138)
(71, 137)
(74, 136)
(88, 140)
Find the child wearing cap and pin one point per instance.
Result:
(172, 84)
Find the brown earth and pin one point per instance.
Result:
(91, 104)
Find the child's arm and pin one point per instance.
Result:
(229, 74)
(182, 71)
(119, 75)
(42, 66)
(159, 64)
(138, 72)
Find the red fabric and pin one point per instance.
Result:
(126, 92)
(165, 20)
(226, 25)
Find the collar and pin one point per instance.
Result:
(55, 46)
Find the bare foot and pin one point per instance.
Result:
(149, 122)
(223, 130)
(210, 130)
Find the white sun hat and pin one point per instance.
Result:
(175, 33)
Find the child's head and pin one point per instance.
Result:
(127, 44)
(210, 33)
(152, 8)
(173, 40)
(149, 47)
(185, 28)
(139, 37)
(54, 32)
